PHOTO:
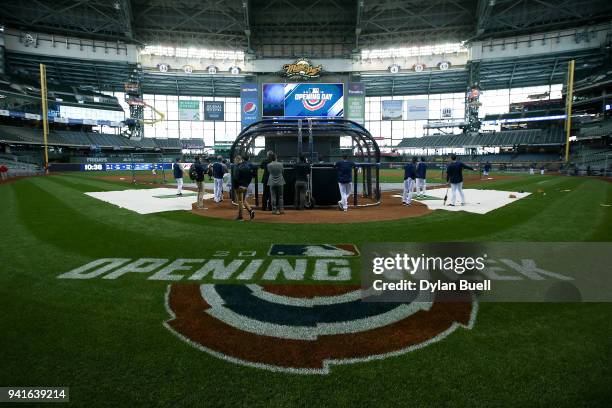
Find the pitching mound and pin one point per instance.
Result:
(390, 209)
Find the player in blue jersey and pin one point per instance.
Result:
(344, 168)
(454, 176)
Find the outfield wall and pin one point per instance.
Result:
(55, 167)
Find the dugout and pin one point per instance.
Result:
(320, 141)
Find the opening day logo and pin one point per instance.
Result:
(313, 98)
(287, 325)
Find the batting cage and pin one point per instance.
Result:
(322, 142)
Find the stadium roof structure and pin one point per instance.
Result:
(291, 28)
(499, 74)
(493, 74)
(288, 28)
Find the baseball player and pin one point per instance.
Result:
(344, 168)
(486, 169)
(251, 189)
(409, 180)
(200, 171)
(421, 181)
(178, 176)
(454, 176)
(218, 170)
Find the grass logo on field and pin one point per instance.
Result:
(313, 250)
(308, 328)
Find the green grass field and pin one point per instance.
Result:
(105, 339)
(386, 175)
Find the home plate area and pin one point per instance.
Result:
(476, 201)
(149, 201)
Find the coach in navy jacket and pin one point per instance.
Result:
(454, 176)
(421, 174)
(344, 168)
(409, 180)
(410, 170)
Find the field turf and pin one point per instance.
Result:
(386, 176)
(105, 339)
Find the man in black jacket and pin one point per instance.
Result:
(242, 174)
(302, 172)
(454, 176)
(218, 170)
(266, 204)
(200, 171)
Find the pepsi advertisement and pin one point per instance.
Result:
(249, 104)
(303, 100)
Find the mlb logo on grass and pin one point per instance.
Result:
(310, 250)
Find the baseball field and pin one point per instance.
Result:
(118, 337)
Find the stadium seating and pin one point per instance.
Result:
(22, 135)
(507, 158)
(193, 144)
(18, 167)
(593, 157)
(499, 139)
(168, 144)
(595, 130)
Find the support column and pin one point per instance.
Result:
(569, 100)
(133, 91)
(472, 98)
(45, 113)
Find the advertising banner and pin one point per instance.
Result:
(392, 110)
(249, 104)
(189, 110)
(356, 102)
(214, 110)
(417, 109)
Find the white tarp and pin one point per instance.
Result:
(148, 201)
(476, 201)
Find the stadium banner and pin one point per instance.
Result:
(214, 110)
(134, 166)
(303, 100)
(110, 166)
(417, 109)
(249, 104)
(189, 110)
(392, 110)
(356, 102)
(487, 271)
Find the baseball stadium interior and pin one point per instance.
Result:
(136, 131)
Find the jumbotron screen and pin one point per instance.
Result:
(303, 100)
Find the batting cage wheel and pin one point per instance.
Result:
(318, 139)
